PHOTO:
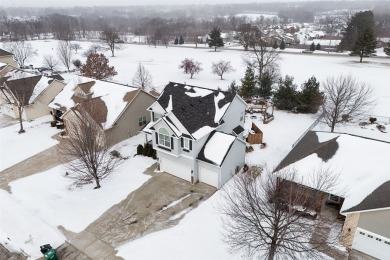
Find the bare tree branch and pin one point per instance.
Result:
(64, 53)
(49, 61)
(221, 67)
(21, 50)
(142, 78)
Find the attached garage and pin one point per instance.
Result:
(371, 244)
(209, 177)
(176, 169)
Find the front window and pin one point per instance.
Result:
(164, 138)
(156, 116)
(186, 143)
(142, 121)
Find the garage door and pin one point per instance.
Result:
(371, 244)
(208, 176)
(176, 169)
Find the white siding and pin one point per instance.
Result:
(235, 158)
(232, 116)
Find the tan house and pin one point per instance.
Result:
(5, 68)
(119, 110)
(7, 57)
(31, 92)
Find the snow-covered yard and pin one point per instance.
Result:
(49, 200)
(18, 147)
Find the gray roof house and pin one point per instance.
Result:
(198, 133)
(363, 189)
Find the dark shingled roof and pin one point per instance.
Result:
(23, 88)
(378, 199)
(192, 112)
(4, 53)
(238, 130)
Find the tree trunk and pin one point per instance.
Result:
(97, 183)
(221, 77)
(333, 125)
(215, 48)
(20, 110)
(272, 251)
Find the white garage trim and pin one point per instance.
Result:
(371, 244)
(209, 177)
(176, 169)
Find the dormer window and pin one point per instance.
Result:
(163, 138)
(156, 116)
(186, 144)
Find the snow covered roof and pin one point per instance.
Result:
(114, 97)
(27, 88)
(4, 53)
(216, 148)
(360, 162)
(198, 110)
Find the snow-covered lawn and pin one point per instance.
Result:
(50, 197)
(18, 147)
(163, 64)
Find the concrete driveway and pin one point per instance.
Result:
(158, 204)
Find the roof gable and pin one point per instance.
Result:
(24, 89)
(195, 107)
(4, 53)
(216, 148)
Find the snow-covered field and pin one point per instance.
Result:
(163, 64)
(18, 147)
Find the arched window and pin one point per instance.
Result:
(163, 137)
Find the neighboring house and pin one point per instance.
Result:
(7, 57)
(118, 109)
(362, 192)
(32, 92)
(4, 69)
(198, 133)
(367, 227)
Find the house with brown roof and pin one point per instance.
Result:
(119, 110)
(7, 57)
(31, 92)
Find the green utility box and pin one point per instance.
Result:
(48, 252)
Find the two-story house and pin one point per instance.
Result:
(198, 133)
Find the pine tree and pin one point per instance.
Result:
(248, 84)
(282, 45)
(275, 45)
(97, 67)
(181, 40)
(356, 25)
(265, 86)
(310, 98)
(176, 42)
(215, 39)
(312, 47)
(387, 49)
(233, 88)
(285, 97)
(318, 46)
(365, 44)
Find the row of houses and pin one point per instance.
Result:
(198, 135)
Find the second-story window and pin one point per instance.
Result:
(142, 121)
(186, 144)
(164, 138)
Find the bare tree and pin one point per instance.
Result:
(190, 66)
(345, 97)
(110, 37)
(49, 61)
(268, 215)
(64, 53)
(75, 47)
(244, 35)
(221, 67)
(21, 50)
(262, 57)
(142, 78)
(87, 151)
(94, 48)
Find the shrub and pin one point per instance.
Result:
(140, 149)
(115, 153)
(145, 152)
(150, 151)
(372, 120)
(53, 123)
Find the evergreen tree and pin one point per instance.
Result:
(282, 45)
(215, 39)
(265, 86)
(318, 46)
(97, 67)
(387, 49)
(275, 45)
(356, 26)
(285, 97)
(176, 42)
(310, 98)
(248, 84)
(365, 44)
(181, 40)
(312, 47)
(233, 88)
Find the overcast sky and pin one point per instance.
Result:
(67, 3)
